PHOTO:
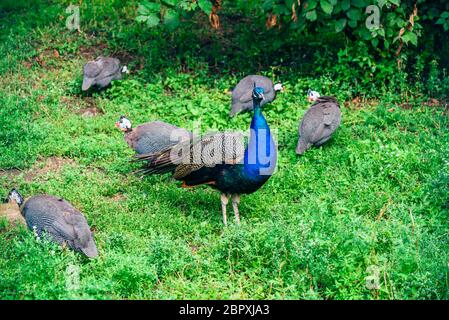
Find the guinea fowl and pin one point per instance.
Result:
(58, 219)
(319, 122)
(242, 93)
(221, 160)
(153, 136)
(100, 72)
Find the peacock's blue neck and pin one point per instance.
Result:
(260, 154)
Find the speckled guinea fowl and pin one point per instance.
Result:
(221, 160)
(319, 123)
(153, 136)
(57, 218)
(242, 93)
(100, 72)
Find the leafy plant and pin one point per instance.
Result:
(387, 25)
(444, 20)
(169, 12)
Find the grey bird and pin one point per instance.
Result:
(242, 93)
(319, 122)
(153, 136)
(58, 219)
(100, 72)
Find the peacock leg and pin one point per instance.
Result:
(235, 206)
(224, 203)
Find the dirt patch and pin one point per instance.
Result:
(10, 173)
(43, 167)
(92, 52)
(90, 109)
(84, 106)
(436, 103)
(430, 103)
(88, 112)
(433, 102)
(359, 103)
(406, 106)
(47, 58)
(70, 101)
(194, 248)
(126, 58)
(118, 197)
(27, 64)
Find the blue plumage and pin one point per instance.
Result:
(260, 155)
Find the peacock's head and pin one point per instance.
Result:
(123, 124)
(15, 196)
(258, 93)
(312, 95)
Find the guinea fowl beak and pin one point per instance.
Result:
(117, 125)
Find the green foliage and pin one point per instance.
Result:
(18, 135)
(385, 25)
(444, 20)
(168, 12)
(375, 195)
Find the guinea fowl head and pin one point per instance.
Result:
(258, 94)
(15, 196)
(312, 95)
(91, 70)
(123, 124)
(125, 69)
(278, 87)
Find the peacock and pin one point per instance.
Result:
(221, 160)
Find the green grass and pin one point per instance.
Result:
(376, 195)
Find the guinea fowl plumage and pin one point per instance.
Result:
(319, 122)
(221, 160)
(242, 93)
(58, 219)
(153, 136)
(100, 72)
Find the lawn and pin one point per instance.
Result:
(371, 206)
